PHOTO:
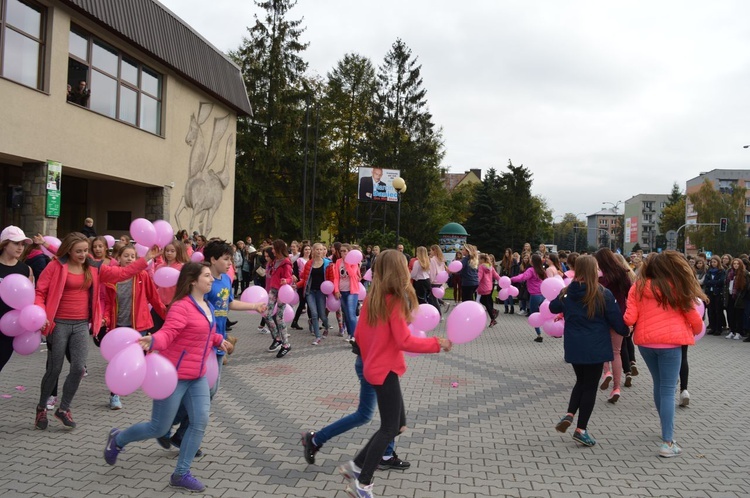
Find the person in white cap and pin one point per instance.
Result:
(12, 243)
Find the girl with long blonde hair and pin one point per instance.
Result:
(420, 274)
(469, 272)
(382, 336)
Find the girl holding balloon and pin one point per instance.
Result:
(437, 267)
(312, 279)
(487, 277)
(186, 339)
(174, 255)
(590, 313)
(533, 276)
(278, 273)
(469, 272)
(382, 337)
(420, 274)
(12, 244)
(68, 291)
(346, 284)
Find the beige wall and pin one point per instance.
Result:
(37, 126)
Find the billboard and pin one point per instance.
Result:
(376, 184)
(631, 230)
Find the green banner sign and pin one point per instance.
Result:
(54, 178)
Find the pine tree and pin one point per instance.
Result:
(484, 224)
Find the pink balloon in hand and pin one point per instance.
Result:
(466, 322)
(127, 370)
(161, 377)
(27, 343)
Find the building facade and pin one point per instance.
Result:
(114, 111)
(602, 228)
(641, 221)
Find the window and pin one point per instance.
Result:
(747, 201)
(648, 218)
(747, 219)
(727, 186)
(111, 83)
(22, 36)
(648, 205)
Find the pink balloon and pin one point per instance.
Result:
(551, 287)
(702, 333)
(288, 314)
(255, 294)
(197, 257)
(110, 241)
(127, 370)
(503, 294)
(17, 291)
(326, 287)
(442, 277)
(32, 318)
(53, 241)
(27, 343)
(362, 293)
(466, 322)
(416, 333)
(455, 266)
(554, 328)
(570, 274)
(140, 250)
(544, 310)
(504, 282)
(699, 306)
(212, 368)
(513, 291)
(166, 276)
(164, 233)
(438, 292)
(353, 257)
(368, 275)
(567, 281)
(536, 320)
(10, 325)
(295, 299)
(286, 294)
(143, 232)
(426, 317)
(161, 377)
(332, 303)
(116, 340)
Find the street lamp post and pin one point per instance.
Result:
(400, 186)
(575, 234)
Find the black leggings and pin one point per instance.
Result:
(423, 289)
(301, 308)
(486, 300)
(583, 397)
(684, 370)
(6, 350)
(392, 418)
(627, 353)
(468, 292)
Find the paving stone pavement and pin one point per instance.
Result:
(492, 435)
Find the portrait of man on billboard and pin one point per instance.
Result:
(372, 188)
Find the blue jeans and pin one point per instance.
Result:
(316, 306)
(664, 365)
(368, 401)
(182, 416)
(534, 301)
(349, 308)
(193, 394)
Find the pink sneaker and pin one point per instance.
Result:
(614, 396)
(607, 379)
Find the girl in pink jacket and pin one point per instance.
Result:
(661, 308)
(185, 339)
(487, 275)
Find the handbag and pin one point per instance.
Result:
(261, 271)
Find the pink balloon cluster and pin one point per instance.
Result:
(506, 289)
(553, 325)
(147, 234)
(129, 369)
(53, 241)
(23, 322)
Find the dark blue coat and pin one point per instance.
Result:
(713, 282)
(587, 340)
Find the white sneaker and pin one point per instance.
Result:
(51, 402)
(667, 451)
(737, 337)
(729, 336)
(264, 330)
(114, 402)
(684, 398)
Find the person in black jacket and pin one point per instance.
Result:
(590, 311)
(713, 286)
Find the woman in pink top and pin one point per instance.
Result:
(533, 276)
(487, 276)
(346, 284)
(661, 308)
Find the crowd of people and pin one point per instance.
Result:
(611, 304)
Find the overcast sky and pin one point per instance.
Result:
(600, 100)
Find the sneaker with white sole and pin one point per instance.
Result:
(684, 398)
(115, 403)
(51, 402)
(669, 450)
(350, 471)
(737, 337)
(263, 330)
(605, 382)
(729, 336)
(186, 482)
(358, 490)
(316, 342)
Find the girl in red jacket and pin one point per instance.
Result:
(661, 307)
(382, 336)
(186, 339)
(278, 273)
(126, 304)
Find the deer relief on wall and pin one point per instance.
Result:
(205, 187)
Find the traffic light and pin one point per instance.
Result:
(723, 225)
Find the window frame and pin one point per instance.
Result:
(42, 41)
(120, 81)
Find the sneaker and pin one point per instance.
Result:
(614, 396)
(633, 369)
(729, 336)
(393, 463)
(51, 402)
(737, 337)
(358, 490)
(66, 418)
(309, 447)
(263, 330)
(177, 442)
(584, 438)
(746, 339)
(684, 398)
(186, 481)
(283, 351)
(564, 423)
(316, 342)
(628, 380)
(41, 421)
(669, 450)
(85, 371)
(350, 471)
(164, 442)
(539, 339)
(275, 345)
(111, 450)
(295, 326)
(606, 381)
(114, 402)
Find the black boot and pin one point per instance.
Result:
(512, 310)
